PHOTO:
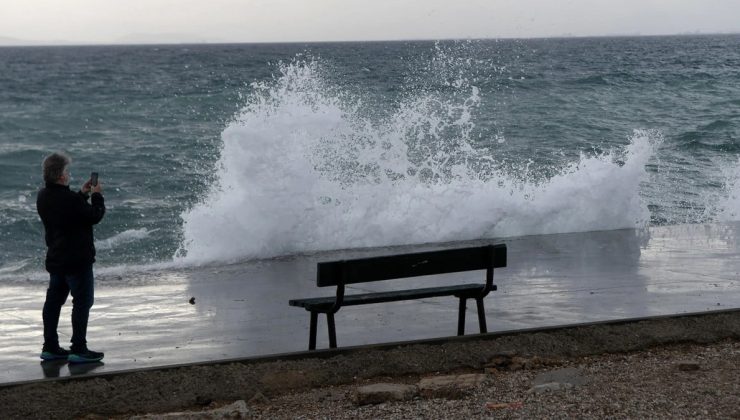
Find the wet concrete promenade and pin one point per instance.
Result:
(143, 319)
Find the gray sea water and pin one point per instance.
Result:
(233, 152)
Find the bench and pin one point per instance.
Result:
(365, 270)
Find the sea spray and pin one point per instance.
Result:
(302, 170)
(123, 238)
(728, 207)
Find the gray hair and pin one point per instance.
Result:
(54, 165)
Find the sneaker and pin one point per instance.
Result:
(85, 356)
(54, 353)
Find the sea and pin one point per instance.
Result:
(212, 154)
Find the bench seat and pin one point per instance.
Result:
(326, 303)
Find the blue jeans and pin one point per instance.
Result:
(81, 285)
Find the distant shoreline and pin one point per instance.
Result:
(17, 43)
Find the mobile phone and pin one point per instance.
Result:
(94, 179)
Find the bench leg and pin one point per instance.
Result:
(332, 331)
(312, 332)
(481, 316)
(461, 317)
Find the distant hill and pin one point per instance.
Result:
(164, 38)
(8, 41)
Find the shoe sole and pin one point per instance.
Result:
(73, 358)
(52, 356)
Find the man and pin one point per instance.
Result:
(68, 220)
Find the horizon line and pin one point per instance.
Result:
(28, 43)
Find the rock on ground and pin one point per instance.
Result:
(384, 392)
(236, 410)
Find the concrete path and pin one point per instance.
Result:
(144, 319)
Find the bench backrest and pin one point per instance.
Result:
(365, 270)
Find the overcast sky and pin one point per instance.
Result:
(115, 21)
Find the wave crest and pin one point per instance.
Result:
(301, 169)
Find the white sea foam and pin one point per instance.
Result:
(14, 267)
(17, 271)
(729, 204)
(302, 170)
(125, 237)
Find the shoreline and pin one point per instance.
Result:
(187, 387)
(241, 310)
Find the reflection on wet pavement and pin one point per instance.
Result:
(143, 319)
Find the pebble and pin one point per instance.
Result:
(688, 366)
(634, 385)
(384, 392)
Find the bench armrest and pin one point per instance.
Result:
(340, 299)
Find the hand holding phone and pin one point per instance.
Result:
(95, 186)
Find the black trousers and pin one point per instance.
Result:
(81, 286)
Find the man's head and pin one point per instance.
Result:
(56, 169)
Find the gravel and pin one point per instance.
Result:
(644, 384)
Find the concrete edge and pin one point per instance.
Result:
(569, 332)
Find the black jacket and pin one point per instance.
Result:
(68, 220)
